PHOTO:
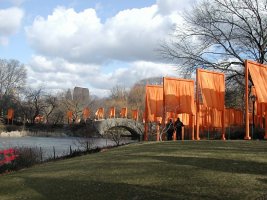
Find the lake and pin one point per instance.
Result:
(61, 145)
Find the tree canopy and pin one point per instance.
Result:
(12, 77)
(220, 34)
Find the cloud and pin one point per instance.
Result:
(167, 7)
(130, 35)
(60, 74)
(3, 41)
(141, 70)
(10, 19)
(79, 49)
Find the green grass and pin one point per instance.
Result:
(165, 170)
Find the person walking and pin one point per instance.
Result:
(178, 127)
(170, 129)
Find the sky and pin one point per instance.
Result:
(96, 44)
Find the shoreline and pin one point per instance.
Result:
(14, 134)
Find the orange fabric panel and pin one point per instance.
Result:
(238, 117)
(178, 95)
(112, 112)
(232, 117)
(203, 115)
(86, 113)
(10, 113)
(258, 108)
(170, 115)
(100, 113)
(263, 109)
(154, 102)
(208, 121)
(123, 113)
(159, 119)
(135, 115)
(39, 119)
(216, 118)
(69, 115)
(258, 73)
(227, 117)
(184, 117)
(212, 85)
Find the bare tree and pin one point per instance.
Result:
(50, 105)
(117, 98)
(34, 103)
(118, 92)
(76, 105)
(136, 98)
(220, 34)
(12, 81)
(12, 77)
(115, 134)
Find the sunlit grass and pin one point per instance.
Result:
(165, 170)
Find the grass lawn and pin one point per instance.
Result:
(165, 170)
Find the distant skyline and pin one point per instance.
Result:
(95, 44)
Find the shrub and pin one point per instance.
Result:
(25, 157)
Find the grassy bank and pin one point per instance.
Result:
(166, 170)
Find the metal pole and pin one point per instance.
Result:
(247, 137)
(197, 106)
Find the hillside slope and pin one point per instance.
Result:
(165, 170)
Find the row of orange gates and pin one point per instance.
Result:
(100, 113)
(205, 108)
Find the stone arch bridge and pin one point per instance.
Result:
(135, 128)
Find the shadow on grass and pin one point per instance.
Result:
(49, 188)
(214, 146)
(263, 180)
(222, 165)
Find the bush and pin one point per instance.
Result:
(25, 157)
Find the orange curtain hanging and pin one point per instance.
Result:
(185, 118)
(112, 112)
(154, 102)
(258, 73)
(211, 86)
(100, 113)
(178, 98)
(153, 107)
(178, 95)
(135, 115)
(10, 114)
(69, 116)
(86, 113)
(123, 113)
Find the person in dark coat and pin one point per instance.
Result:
(170, 129)
(178, 127)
